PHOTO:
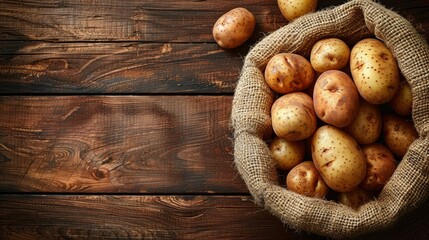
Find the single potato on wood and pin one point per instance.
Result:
(329, 54)
(338, 158)
(234, 28)
(366, 127)
(287, 154)
(380, 164)
(374, 70)
(292, 9)
(288, 72)
(293, 117)
(398, 134)
(336, 99)
(306, 180)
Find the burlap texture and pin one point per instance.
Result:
(407, 189)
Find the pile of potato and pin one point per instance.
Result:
(341, 119)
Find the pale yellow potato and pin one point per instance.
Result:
(366, 128)
(380, 164)
(336, 99)
(306, 180)
(355, 198)
(329, 54)
(234, 28)
(293, 117)
(402, 102)
(292, 9)
(338, 158)
(374, 70)
(398, 134)
(288, 72)
(287, 154)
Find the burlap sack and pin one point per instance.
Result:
(407, 189)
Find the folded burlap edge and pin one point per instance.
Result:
(250, 120)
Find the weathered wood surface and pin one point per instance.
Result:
(127, 144)
(41, 67)
(149, 20)
(137, 217)
(160, 217)
(100, 47)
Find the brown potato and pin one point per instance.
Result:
(398, 134)
(293, 117)
(355, 198)
(234, 28)
(338, 158)
(306, 180)
(374, 70)
(287, 154)
(336, 99)
(380, 164)
(292, 9)
(288, 72)
(366, 127)
(329, 54)
(402, 102)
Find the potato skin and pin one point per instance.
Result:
(366, 127)
(234, 28)
(398, 134)
(287, 154)
(402, 102)
(292, 9)
(380, 164)
(338, 158)
(293, 117)
(355, 198)
(336, 99)
(288, 72)
(329, 54)
(306, 180)
(374, 70)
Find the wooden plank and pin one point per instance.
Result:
(138, 217)
(41, 67)
(111, 144)
(28, 216)
(112, 20)
(161, 21)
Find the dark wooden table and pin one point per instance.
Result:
(114, 120)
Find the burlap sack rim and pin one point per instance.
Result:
(271, 187)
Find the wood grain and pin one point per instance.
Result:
(26, 216)
(40, 67)
(114, 20)
(138, 217)
(127, 144)
(151, 20)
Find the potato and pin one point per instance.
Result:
(329, 54)
(374, 70)
(398, 134)
(380, 165)
(292, 9)
(287, 154)
(366, 127)
(288, 72)
(306, 180)
(338, 158)
(336, 100)
(293, 117)
(234, 28)
(355, 198)
(402, 102)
